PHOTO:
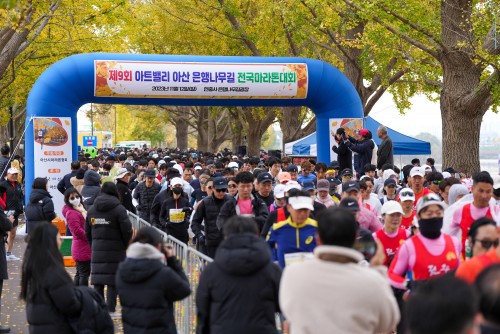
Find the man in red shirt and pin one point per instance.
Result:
(417, 178)
(391, 236)
(482, 190)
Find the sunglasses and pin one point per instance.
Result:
(437, 182)
(223, 190)
(73, 198)
(487, 244)
(232, 186)
(210, 187)
(430, 198)
(406, 193)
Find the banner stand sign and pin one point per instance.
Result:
(53, 153)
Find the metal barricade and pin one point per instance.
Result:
(193, 262)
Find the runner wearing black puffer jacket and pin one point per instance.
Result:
(206, 213)
(238, 292)
(174, 214)
(147, 287)
(108, 231)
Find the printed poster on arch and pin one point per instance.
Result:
(350, 125)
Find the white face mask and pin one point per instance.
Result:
(75, 201)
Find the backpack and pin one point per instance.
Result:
(94, 317)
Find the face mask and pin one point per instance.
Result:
(430, 228)
(75, 201)
(177, 191)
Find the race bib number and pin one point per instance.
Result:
(297, 257)
(177, 215)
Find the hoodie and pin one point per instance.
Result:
(108, 231)
(148, 288)
(91, 188)
(40, 208)
(238, 292)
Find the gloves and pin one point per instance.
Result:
(200, 239)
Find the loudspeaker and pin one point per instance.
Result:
(242, 150)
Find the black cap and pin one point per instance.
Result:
(350, 204)
(308, 185)
(334, 165)
(111, 158)
(389, 182)
(346, 171)
(350, 186)
(150, 172)
(264, 177)
(292, 169)
(220, 182)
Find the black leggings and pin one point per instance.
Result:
(111, 295)
(82, 273)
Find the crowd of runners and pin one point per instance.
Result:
(356, 245)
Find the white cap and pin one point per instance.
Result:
(427, 200)
(496, 181)
(279, 191)
(391, 207)
(417, 171)
(427, 168)
(292, 185)
(176, 181)
(161, 162)
(406, 194)
(121, 173)
(198, 167)
(235, 157)
(12, 171)
(178, 167)
(301, 202)
(233, 164)
(155, 156)
(446, 175)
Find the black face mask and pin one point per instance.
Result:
(177, 191)
(430, 228)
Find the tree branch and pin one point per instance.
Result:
(483, 92)
(407, 38)
(413, 26)
(236, 25)
(44, 20)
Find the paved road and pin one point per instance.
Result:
(13, 311)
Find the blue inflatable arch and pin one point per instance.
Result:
(70, 83)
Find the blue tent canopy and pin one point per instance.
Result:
(403, 145)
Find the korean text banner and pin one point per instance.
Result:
(53, 152)
(200, 80)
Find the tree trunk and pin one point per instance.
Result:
(254, 138)
(181, 133)
(461, 131)
(212, 132)
(463, 104)
(236, 133)
(202, 138)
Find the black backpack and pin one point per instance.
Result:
(94, 317)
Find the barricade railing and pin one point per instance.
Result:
(193, 262)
